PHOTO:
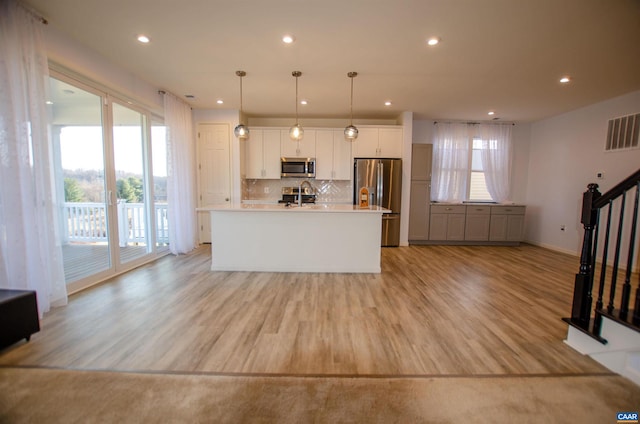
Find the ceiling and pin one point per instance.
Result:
(505, 56)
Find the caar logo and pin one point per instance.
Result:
(627, 417)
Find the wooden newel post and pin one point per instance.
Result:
(581, 310)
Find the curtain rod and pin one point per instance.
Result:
(475, 123)
(35, 14)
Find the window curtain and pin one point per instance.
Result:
(181, 192)
(30, 252)
(450, 162)
(496, 160)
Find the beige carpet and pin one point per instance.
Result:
(35, 395)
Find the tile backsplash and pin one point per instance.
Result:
(327, 191)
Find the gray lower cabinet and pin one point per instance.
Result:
(419, 210)
(477, 223)
(447, 222)
(507, 223)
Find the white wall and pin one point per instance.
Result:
(565, 154)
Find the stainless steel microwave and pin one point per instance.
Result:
(298, 167)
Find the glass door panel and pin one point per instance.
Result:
(129, 128)
(77, 135)
(159, 166)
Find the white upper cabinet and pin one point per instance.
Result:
(262, 154)
(390, 142)
(333, 155)
(305, 148)
(378, 142)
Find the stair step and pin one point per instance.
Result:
(627, 321)
(589, 332)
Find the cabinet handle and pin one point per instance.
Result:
(448, 209)
(507, 210)
(479, 210)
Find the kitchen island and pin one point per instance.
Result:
(307, 238)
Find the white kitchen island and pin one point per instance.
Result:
(308, 238)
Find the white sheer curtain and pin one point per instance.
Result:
(181, 167)
(30, 254)
(450, 162)
(496, 160)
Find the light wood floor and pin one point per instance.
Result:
(434, 310)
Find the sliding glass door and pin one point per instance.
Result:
(78, 139)
(129, 135)
(109, 221)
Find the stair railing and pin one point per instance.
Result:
(593, 204)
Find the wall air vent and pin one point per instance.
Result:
(623, 133)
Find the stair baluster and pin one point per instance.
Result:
(626, 288)
(592, 202)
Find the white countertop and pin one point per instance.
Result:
(294, 208)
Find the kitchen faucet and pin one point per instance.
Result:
(300, 190)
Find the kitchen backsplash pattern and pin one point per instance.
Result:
(327, 191)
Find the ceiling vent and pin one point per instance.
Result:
(623, 133)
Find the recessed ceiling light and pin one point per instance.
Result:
(433, 41)
(491, 113)
(565, 79)
(303, 102)
(288, 38)
(220, 101)
(49, 102)
(387, 103)
(143, 39)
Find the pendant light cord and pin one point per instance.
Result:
(351, 75)
(296, 99)
(241, 74)
(351, 102)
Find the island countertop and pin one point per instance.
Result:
(306, 207)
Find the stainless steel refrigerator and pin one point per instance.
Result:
(383, 179)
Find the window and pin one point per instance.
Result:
(477, 187)
(471, 162)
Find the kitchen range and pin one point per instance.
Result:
(303, 194)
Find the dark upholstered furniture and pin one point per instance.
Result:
(18, 316)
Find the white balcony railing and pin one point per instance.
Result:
(87, 222)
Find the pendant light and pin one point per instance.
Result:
(241, 131)
(351, 132)
(296, 132)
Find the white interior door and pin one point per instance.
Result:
(214, 172)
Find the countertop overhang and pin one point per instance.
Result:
(294, 208)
